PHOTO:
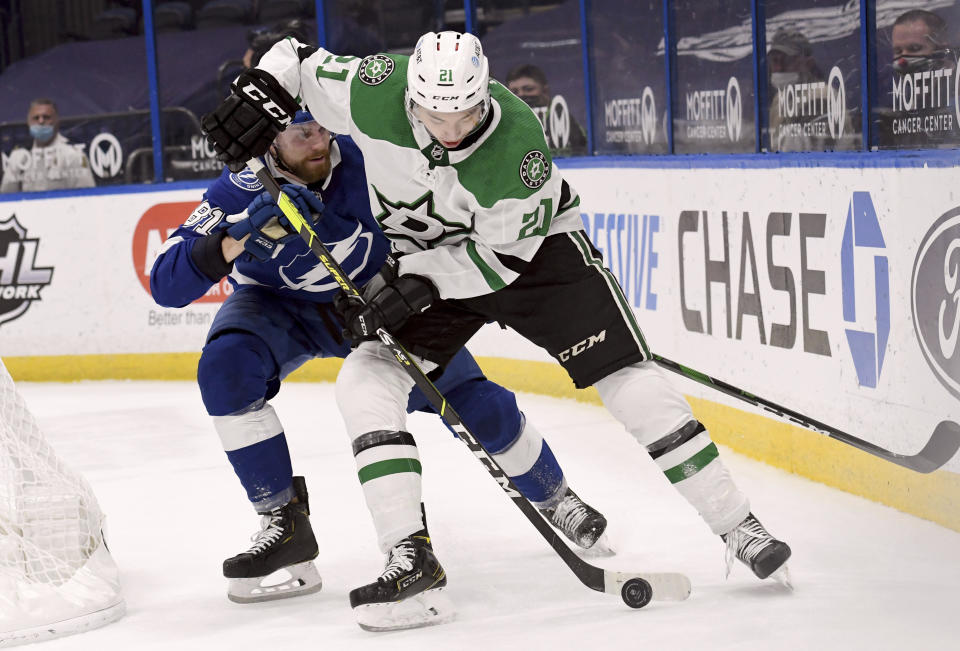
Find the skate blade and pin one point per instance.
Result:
(429, 608)
(286, 582)
(782, 576)
(600, 549)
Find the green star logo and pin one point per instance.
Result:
(534, 169)
(417, 222)
(375, 69)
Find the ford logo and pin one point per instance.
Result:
(936, 299)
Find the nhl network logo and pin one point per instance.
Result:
(836, 102)
(20, 280)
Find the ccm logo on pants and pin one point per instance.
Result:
(586, 344)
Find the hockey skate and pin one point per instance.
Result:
(279, 564)
(409, 592)
(579, 522)
(757, 549)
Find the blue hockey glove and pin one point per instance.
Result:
(390, 301)
(267, 225)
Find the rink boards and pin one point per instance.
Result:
(834, 291)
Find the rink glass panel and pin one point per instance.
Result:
(629, 77)
(546, 38)
(196, 62)
(61, 51)
(915, 104)
(713, 107)
(812, 98)
(363, 27)
(90, 57)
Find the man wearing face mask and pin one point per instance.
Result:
(564, 135)
(790, 61)
(918, 40)
(919, 112)
(53, 163)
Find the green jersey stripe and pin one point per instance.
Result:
(573, 204)
(388, 467)
(580, 240)
(493, 279)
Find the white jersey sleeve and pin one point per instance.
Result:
(316, 81)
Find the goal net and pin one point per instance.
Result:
(56, 575)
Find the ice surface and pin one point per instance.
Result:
(866, 576)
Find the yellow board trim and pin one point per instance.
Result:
(934, 497)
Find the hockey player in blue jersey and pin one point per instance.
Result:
(279, 316)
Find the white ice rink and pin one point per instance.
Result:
(866, 576)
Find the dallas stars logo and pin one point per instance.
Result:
(534, 169)
(416, 222)
(375, 69)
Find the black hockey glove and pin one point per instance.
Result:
(267, 225)
(391, 300)
(245, 124)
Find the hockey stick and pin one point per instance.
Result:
(941, 447)
(636, 590)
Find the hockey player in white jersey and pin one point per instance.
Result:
(281, 314)
(462, 182)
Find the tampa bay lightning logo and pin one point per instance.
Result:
(246, 180)
(352, 252)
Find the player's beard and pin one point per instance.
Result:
(306, 170)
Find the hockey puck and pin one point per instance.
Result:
(636, 593)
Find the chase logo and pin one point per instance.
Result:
(866, 289)
(936, 299)
(246, 179)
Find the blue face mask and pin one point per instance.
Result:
(41, 132)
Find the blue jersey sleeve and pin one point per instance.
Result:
(190, 261)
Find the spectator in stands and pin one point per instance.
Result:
(352, 37)
(919, 40)
(564, 135)
(262, 39)
(796, 126)
(53, 163)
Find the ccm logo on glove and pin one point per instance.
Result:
(252, 91)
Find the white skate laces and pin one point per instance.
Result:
(271, 528)
(747, 540)
(569, 514)
(401, 560)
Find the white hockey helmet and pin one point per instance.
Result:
(448, 72)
